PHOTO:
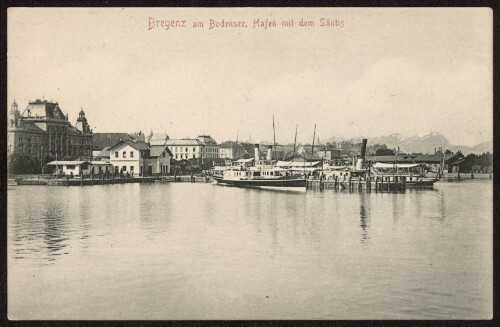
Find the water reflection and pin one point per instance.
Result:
(364, 215)
(55, 230)
(221, 249)
(395, 199)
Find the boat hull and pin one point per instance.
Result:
(426, 183)
(271, 184)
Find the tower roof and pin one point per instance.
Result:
(43, 109)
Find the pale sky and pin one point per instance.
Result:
(407, 71)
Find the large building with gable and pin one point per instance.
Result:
(43, 132)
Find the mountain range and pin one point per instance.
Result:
(420, 144)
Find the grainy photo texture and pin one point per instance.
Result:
(250, 163)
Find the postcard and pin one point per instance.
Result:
(250, 163)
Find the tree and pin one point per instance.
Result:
(23, 164)
(384, 152)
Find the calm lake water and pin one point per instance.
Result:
(203, 251)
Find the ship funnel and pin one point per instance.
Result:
(360, 164)
(256, 153)
(270, 153)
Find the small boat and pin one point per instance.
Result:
(164, 179)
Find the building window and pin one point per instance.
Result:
(70, 167)
(124, 154)
(131, 169)
(193, 155)
(186, 149)
(124, 168)
(116, 154)
(194, 149)
(131, 154)
(176, 156)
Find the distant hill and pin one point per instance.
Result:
(482, 147)
(420, 144)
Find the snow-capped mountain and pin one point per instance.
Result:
(424, 143)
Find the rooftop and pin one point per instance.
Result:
(138, 145)
(180, 142)
(43, 109)
(103, 140)
(157, 150)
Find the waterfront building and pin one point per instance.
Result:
(329, 153)
(139, 158)
(159, 139)
(129, 156)
(43, 131)
(202, 147)
(74, 168)
(102, 142)
(77, 168)
(159, 159)
(232, 150)
(101, 167)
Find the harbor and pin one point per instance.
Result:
(292, 170)
(317, 252)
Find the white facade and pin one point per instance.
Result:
(202, 147)
(226, 153)
(186, 151)
(75, 168)
(126, 159)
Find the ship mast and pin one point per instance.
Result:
(274, 141)
(312, 147)
(295, 142)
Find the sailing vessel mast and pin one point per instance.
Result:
(295, 142)
(312, 147)
(274, 141)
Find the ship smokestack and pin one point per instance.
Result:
(256, 153)
(360, 164)
(270, 153)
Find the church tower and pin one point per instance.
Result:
(14, 116)
(82, 124)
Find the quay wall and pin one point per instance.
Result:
(51, 181)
